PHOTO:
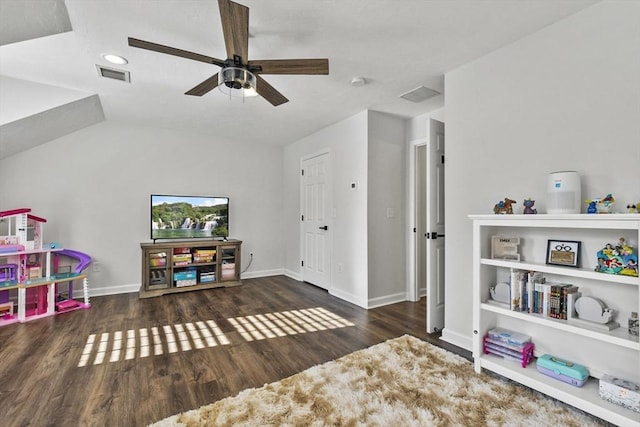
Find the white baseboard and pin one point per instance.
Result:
(292, 274)
(386, 300)
(456, 339)
(109, 290)
(348, 297)
(262, 273)
(96, 291)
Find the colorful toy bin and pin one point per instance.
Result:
(618, 259)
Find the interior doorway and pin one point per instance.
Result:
(428, 246)
(316, 228)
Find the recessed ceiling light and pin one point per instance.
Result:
(114, 59)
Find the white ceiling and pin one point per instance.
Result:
(396, 45)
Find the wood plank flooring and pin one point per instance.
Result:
(42, 384)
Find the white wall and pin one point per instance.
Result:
(93, 188)
(386, 209)
(347, 144)
(565, 98)
(366, 149)
(416, 128)
(22, 98)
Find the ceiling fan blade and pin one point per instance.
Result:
(142, 44)
(204, 87)
(235, 27)
(291, 66)
(269, 93)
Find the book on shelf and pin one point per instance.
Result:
(534, 280)
(554, 300)
(529, 292)
(569, 289)
(525, 289)
(516, 289)
(546, 291)
(558, 299)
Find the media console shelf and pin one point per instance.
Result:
(615, 352)
(180, 266)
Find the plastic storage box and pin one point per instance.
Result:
(621, 392)
(184, 275)
(563, 370)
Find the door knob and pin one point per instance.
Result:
(325, 227)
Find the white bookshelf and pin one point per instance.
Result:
(614, 352)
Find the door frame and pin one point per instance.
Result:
(330, 215)
(413, 293)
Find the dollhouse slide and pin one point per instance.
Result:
(83, 259)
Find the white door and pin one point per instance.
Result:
(421, 219)
(316, 227)
(435, 227)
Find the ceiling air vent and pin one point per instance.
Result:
(113, 73)
(419, 94)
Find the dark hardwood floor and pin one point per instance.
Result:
(46, 381)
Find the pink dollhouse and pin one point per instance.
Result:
(31, 275)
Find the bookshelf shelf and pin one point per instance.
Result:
(619, 336)
(585, 398)
(615, 352)
(563, 271)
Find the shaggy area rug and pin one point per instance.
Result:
(401, 382)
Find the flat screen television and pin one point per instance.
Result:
(189, 217)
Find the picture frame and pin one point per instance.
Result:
(563, 252)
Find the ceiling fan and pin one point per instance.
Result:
(237, 71)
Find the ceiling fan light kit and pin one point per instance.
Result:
(236, 81)
(239, 76)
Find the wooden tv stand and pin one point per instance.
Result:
(179, 266)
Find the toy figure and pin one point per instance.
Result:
(605, 204)
(631, 269)
(632, 209)
(618, 259)
(504, 207)
(528, 206)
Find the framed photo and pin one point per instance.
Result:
(563, 252)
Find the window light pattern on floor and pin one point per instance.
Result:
(181, 337)
(283, 323)
(143, 342)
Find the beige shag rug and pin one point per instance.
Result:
(401, 382)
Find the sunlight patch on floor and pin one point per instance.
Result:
(283, 323)
(183, 337)
(155, 341)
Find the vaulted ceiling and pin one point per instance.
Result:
(50, 48)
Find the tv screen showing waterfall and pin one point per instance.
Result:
(189, 217)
